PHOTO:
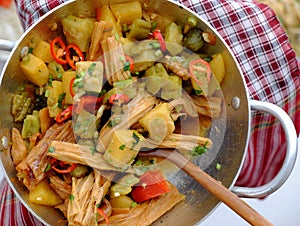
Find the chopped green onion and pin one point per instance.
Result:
(122, 147)
(198, 150)
(51, 150)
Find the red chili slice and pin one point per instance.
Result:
(63, 167)
(118, 97)
(131, 62)
(204, 67)
(103, 214)
(157, 35)
(64, 115)
(73, 55)
(58, 50)
(71, 89)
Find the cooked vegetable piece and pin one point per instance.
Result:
(80, 171)
(68, 76)
(172, 89)
(85, 125)
(173, 39)
(121, 202)
(78, 31)
(56, 70)
(152, 184)
(158, 122)
(20, 107)
(44, 195)
(108, 17)
(149, 211)
(157, 77)
(90, 76)
(35, 70)
(45, 120)
(217, 67)
(127, 12)
(42, 51)
(31, 125)
(123, 148)
(55, 92)
(193, 39)
(124, 186)
(140, 29)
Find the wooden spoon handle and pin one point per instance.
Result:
(216, 188)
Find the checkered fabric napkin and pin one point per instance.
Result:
(271, 71)
(268, 63)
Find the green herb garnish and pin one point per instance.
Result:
(198, 150)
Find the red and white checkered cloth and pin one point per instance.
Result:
(269, 66)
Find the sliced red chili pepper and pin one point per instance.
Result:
(204, 67)
(71, 89)
(131, 62)
(118, 97)
(63, 167)
(89, 103)
(103, 214)
(58, 50)
(98, 14)
(157, 35)
(151, 185)
(73, 55)
(64, 115)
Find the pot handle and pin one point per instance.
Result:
(290, 158)
(6, 45)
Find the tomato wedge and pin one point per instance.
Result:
(61, 167)
(199, 66)
(73, 55)
(58, 50)
(152, 184)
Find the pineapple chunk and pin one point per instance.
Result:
(217, 67)
(44, 195)
(66, 79)
(127, 12)
(55, 91)
(158, 122)
(35, 70)
(91, 76)
(78, 31)
(123, 148)
(42, 51)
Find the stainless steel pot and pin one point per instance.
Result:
(230, 145)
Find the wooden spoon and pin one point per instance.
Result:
(211, 185)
